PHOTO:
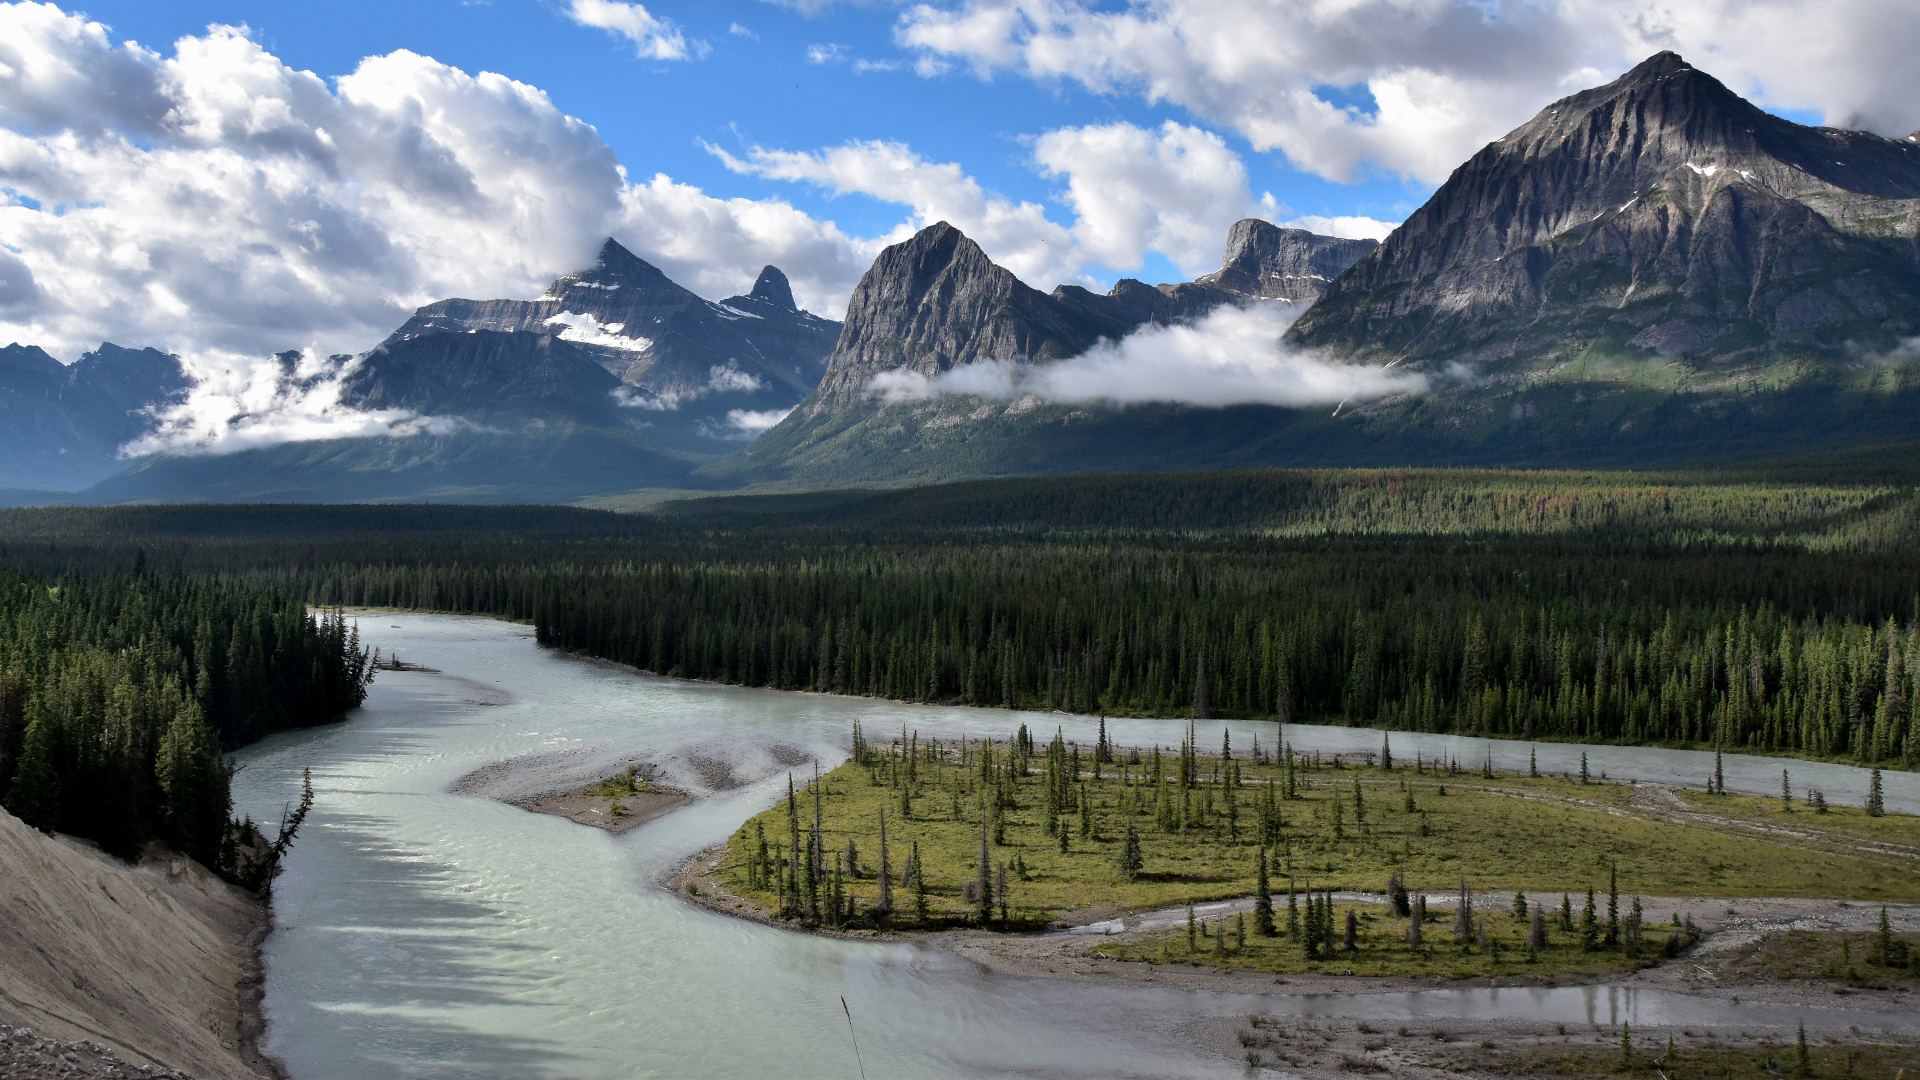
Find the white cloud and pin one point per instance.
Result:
(750, 423)
(1175, 190)
(653, 38)
(241, 403)
(740, 31)
(1232, 357)
(825, 54)
(1017, 235)
(1445, 76)
(218, 204)
(1350, 228)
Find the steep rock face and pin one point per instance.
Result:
(1659, 215)
(1266, 261)
(61, 426)
(486, 376)
(667, 343)
(936, 302)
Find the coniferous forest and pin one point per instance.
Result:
(119, 694)
(1703, 610)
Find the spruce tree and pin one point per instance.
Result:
(919, 886)
(1350, 938)
(1293, 912)
(1131, 859)
(1876, 802)
(1263, 898)
(1590, 924)
(1192, 942)
(883, 902)
(983, 882)
(1519, 906)
(1786, 793)
(1537, 928)
(1613, 907)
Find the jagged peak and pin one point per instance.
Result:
(772, 287)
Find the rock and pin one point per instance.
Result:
(1266, 261)
(1658, 215)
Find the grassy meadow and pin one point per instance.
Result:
(1057, 820)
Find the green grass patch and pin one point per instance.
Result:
(1058, 825)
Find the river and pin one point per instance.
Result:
(421, 933)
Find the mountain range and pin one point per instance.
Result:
(1649, 272)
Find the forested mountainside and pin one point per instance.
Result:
(118, 695)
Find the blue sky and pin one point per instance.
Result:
(305, 182)
(753, 88)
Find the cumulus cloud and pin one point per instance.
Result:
(1018, 235)
(218, 204)
(1232, 357)
(1415, 86)
(1345, 227)
(1174, 189)
(653, 38)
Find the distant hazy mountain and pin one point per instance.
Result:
(935, 304)
(686, 363)
(615, 379)
(61, 425)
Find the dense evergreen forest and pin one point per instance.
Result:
(119, 693)
(1704, 610)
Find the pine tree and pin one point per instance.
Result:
(883, 902)
(1802, 1060)
(1519, 906)
(1590, 924)
(1350, 939)
(984, 881)
(35, 796)
(1876, 802)
(1131, 859)
(1613, 907)
(1537, 928)
(1192, 941)
(1262, 898)
(919, 886)
(1293, 912)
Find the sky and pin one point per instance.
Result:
(226, 179)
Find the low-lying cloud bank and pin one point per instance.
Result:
(1234, 356)
(242, 403)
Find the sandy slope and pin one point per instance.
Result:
(149, 960)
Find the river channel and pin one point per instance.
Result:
(423, 933)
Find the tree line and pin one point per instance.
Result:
(119, 694)
(1729, 646)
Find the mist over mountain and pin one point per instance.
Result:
(1650, 272)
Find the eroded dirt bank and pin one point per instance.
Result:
(157, 963)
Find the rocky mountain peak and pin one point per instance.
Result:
(1659, 213)
(771, 287)
(1266, 261)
